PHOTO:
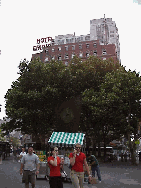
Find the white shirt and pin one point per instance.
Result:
(30, 161)
(23, 153)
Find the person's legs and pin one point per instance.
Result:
(59, 182)
(26, 178)
(74, 179)
(32, 179)
(81, 179)
(53, 182)
(26, 185)
(98, 173)
(93, 170)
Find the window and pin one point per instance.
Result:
(104, 52)
(46, 51)
(80, 46)
(80, 54)
(87, 45)
(95, 53)
(72, 55)
(73, 47)
(59, 57)
(66, 56)
(111, 35)
(66, 48)
(87, 54)
(87, 38)
(95, 45)
(53, 49)
(46, 59)
(53, 58)
(59, 48)
(111, 31)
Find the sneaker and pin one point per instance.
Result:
(99, 181)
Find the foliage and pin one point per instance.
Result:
(41, 88)
(15, 141)
(116, 107)
(2, 138)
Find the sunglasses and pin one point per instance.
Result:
(56, 150)
(78, 147)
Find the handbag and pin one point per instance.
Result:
(93, 180)
(63, 174)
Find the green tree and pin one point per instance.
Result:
(117, 102)
(49, 96)
(15, 141)
(2, 138)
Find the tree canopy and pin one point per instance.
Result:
(49, 96)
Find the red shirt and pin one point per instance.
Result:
(54, 170)
(79, 161)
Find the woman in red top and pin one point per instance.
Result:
(77, 159)
(55, 165)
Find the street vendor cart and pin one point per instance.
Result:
(65, 143)
(43, 164)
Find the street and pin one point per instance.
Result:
(119, 175)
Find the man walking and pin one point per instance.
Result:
(94, 166)
(29, 167)
(77, 159)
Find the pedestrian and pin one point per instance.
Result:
(63, 173)
(77, 159)
(111, 158)
(94, 166)
(22, 153)
(55, 165)
(125, 157)
(121, 157)
(29, 167)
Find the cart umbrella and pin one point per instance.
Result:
(66, 139)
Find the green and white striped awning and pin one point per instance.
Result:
(66, 139)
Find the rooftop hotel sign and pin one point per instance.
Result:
(42, 43)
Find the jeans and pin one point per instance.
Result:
(96, 168)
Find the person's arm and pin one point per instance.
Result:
(21, 169)
(53, 163)
(87, 167)
(93, 163)
(72, 159)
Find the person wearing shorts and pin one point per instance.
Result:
(55, 165)
(77, 159)
(29, 167)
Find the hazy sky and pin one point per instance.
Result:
(22, 22)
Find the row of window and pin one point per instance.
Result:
(66, 56)
(72, 47)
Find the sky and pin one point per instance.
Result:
(22, 22)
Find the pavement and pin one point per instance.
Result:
(120, 174)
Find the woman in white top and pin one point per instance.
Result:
(22, 153)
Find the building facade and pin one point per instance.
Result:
(106, 32)
(84, 49)
(103, 42)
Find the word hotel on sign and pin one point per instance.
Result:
(47, 42)
(42, 40)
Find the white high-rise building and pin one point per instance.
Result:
(103, 29)
(106, 32)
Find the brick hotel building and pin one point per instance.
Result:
(103, 42)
